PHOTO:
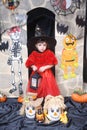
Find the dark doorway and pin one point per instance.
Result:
(46, 21)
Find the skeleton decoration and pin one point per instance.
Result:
(15, 56)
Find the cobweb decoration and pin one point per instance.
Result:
(65, 7)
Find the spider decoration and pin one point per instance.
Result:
(65, 7)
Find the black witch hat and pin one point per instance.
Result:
(40, 36)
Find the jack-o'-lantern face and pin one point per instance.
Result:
(69, 42)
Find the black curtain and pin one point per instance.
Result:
(85, 52)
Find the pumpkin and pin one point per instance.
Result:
(79, 96)
(3, 98)
(20, 99)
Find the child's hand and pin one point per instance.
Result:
(34, 68)
(42, 69)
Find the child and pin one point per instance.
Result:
(42, 60)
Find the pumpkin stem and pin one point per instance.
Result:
(79, 91)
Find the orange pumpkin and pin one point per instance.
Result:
(79, 98)
(20, 99)
(3, 98)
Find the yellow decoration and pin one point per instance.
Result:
(69, 57)
(26, 99)
(63, 117)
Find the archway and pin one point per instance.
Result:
(46, 20)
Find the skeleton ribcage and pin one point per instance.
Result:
(16, 49)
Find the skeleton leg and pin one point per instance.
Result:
(20, 76)
(13, 79)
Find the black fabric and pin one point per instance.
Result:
(85, 51)
(11, 120)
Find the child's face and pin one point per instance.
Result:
(41, 47)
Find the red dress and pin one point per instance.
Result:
(48, 84)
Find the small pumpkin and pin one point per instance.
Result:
(79, 96)
(20, 99)
(3, 97)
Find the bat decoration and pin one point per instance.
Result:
(80, 21)
(62, 28)
(4, 46)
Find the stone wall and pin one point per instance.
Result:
(8, 20)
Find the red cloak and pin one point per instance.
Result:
(48, 84)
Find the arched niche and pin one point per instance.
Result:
(46, 20)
